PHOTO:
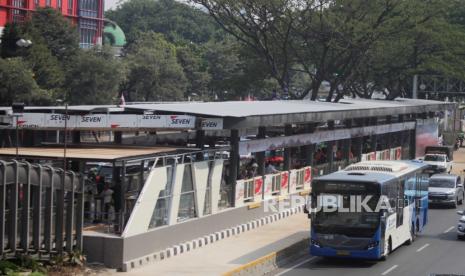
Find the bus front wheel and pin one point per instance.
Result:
(387, 249)
(412, 234)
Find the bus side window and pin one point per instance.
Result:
(400, 201)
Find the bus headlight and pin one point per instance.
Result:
(315, 243)
(372, 245)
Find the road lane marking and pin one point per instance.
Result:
(449, 229)
(294, 266)
(389, 270)
(423, 247)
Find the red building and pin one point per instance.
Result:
(86, 14)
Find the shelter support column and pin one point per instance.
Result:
(388, 139)
(330, 149)
(401, 137)
(76, 137)
(374, 137)
(347, 143)
(200, 143)
(261, 155)
(413, 140)
(358, 142)
(118, 137)
(233, 163)
(287, 151)
(309, 150)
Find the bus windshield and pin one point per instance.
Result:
(348, 219)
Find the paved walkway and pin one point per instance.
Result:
(227, 254)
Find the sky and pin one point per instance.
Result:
(111, 4)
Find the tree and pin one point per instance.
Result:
(154, 73)
(94, 78)
(430, 42)
(195, 69)
(180, 23)
(54, 46)
(10, 35)
(18, 84)
(264, 27)
(48, 26)
(48, 71)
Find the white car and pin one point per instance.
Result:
(461, 225)
(439, 163)
(445, 189)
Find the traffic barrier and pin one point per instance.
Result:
(239, 197)
(258, 189)
(284, 190)
(300, 179)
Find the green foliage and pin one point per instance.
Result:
(18, 83)
(153, 71)
(7, 267)
(94, 78)
(37, 273)
(177, 21)
(47, 26)
(195, 69)
(30, 263)
(75, 258)
(11, 33)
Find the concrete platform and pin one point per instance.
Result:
(227, 254)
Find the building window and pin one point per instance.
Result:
(36, 4)
(18, 15)
(48, 3)
(87, 32)
(70, 7)
(88, 8)
(59, 5)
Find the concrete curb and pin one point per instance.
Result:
(208, 239)
(271, 261)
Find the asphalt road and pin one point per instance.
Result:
(436, 250)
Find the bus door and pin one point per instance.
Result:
(400, 202)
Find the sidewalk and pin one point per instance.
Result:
(227, 254)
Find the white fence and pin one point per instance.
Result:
(389, 154)
(279, 184)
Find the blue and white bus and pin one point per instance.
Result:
(359, 233)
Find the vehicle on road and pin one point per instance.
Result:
(440, 158)
(446, 189)
(360, 233)
(461, 226)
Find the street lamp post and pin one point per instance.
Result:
(17, 108)
(65, 142)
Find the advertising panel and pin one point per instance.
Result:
(92, 121)
(53, 120)
(152, 121)
(29, 120)
(180, 121)
(212, 123)
(122, 121)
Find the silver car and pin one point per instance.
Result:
(446, 189)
